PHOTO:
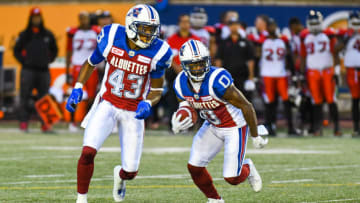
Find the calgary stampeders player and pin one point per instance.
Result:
(317, 62)
(81, 42)
(349, 42)
(229, 119)
(276, 58)
(133, 80)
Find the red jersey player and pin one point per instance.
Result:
(276, 55)
(317, 51)
(81, 42)
(349, 41)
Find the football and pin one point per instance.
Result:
(187, 111)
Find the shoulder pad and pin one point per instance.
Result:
(304, 33)
(71, 30)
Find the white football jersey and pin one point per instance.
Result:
(203, 35)
(352, 52)
(318, 51)
(83, 44)
(272, 63)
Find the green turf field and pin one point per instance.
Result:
(42, 168)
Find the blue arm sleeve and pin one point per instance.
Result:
(162, 64)
(222, 81)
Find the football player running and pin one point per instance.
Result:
(132, 83)
(349, 41)
(229, 119)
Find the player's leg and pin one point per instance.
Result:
(329, 86)
(352, 76)
(131, 134)
(314, 84)
(282, 89)
(97, 130)
(236, 168)
(27, 82)
(204, 148)
(269, 93)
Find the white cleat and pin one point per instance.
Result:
(254, 176)
(81, 198)
(211, 200)
(119, 185)
(73, 128)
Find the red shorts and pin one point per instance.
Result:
(91, 85)
(275, 86)
(321, 85)
(353, 79)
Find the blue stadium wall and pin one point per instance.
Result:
(248, 13)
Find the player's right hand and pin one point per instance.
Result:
(178, 125)
(259, 142)
(74, 99)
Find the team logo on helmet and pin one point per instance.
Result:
(136, 11)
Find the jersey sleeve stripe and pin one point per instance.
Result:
(177, 87)
(110, 41)
(163, 49)
(211, 83)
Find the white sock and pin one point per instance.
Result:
(82, 196)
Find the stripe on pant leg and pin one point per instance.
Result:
(242, 143)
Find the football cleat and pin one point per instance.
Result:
(254, 177)
(211, 200)
(119, 185)
(81, 198)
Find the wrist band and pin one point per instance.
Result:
(78, 85)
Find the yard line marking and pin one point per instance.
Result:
(175, 176)
(292, 181)
(23, 158)
(44, 176)
(309, 168)
(170, 186)
(165, 150)
(333, 200)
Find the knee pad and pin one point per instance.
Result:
(87, 155)
(127, 175)
(245, 171)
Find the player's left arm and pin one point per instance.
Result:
(237, 99)
(155, 90)
(157, 81)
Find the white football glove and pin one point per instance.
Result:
(178, 125)
(259, 142)
(249, 85)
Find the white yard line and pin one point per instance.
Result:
(309, 168)
(165, 150)
(44, 176)
(292, 181)
(22, 158)
(333, 200)
(170, 176)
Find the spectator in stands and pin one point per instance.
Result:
(236, 54)
(81, 41)
(35, 49)
(175, 41)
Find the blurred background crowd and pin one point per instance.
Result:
(45, 45)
